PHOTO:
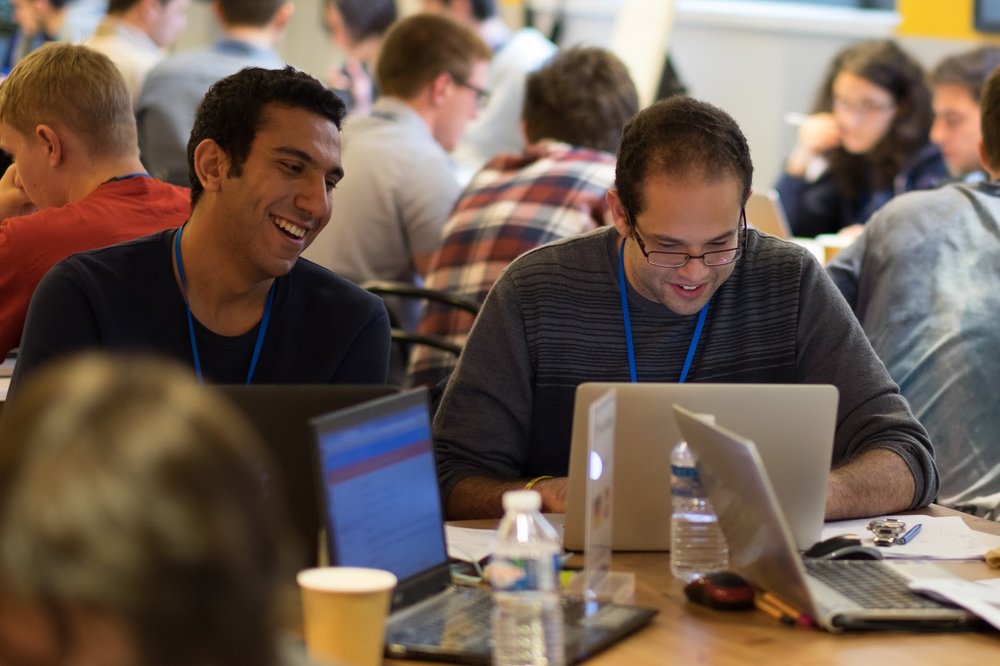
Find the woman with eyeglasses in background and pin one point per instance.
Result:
(866, 141)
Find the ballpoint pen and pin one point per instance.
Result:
(795, 118)
(908, 536)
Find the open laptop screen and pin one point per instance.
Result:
(380, 486)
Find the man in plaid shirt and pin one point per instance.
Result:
(574, 110)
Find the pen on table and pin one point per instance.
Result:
(796, 616)
(908, 536)
(772, 611)
(795, 118)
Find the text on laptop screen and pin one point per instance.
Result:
(374, 521)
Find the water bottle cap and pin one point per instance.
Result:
(522, 500)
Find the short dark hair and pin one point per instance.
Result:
(256, 13)
(230, 114)
(129, 491)
(117, 6)
(420, 47)
(481, 9)
(366, 18)
(583, 96)
(989, 109)
(683, 137)
(968, 69)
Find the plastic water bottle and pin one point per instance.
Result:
(524, 574)
(697, 545)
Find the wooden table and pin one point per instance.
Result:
(685, 633)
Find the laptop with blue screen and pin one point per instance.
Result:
(382, 509)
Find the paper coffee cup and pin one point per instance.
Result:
(344, 610)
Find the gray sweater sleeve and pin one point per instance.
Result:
(872, 414)
(481, 427)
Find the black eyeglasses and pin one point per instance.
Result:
(482, 96)
(678, 259)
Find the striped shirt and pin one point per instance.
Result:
(554, 321)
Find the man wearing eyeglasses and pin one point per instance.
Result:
(678, 290)
(431, 74)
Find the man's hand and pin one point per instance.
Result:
(14, 200)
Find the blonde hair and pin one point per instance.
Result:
(129, 490)
(75, 87)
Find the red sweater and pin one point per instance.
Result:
(113, 213)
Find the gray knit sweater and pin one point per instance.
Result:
(553, 321)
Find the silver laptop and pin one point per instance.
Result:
(793, 423)
(382, 509)
(836, 594)
(765, 213)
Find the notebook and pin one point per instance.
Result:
(281, 414)
(793, 424)
(765, 213)
(382, 509)
(836, 594)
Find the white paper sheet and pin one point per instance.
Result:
(940, 538)
(469, 544)
(981, 597)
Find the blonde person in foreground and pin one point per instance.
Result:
(137, 527)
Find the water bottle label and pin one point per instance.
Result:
(510, 575)
(685, 482)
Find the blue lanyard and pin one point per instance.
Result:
(623, 291)
(194, 342)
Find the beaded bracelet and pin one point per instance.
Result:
(531, 484)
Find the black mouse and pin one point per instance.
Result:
(854, 553)
(724, 590)
(824, 548)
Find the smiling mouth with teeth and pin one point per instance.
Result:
(290, 229)
(687, 288)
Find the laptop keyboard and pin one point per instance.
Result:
(456, 618)
(868, 583)
(463, 618)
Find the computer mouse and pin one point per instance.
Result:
(724, 590)
(824, 548)
(854, 553)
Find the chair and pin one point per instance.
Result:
(404, 339)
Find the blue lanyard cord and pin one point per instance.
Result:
(258, 345)
(623, 292)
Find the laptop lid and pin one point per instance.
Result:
(759, 538)
(765, 213)
(762, 550)
(379, 493)
(793, 424)
(281, 414)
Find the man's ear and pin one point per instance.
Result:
(49, 138)
(440, 88)
(618, 215)
(281, 17)
(211, 165)
(984, 159)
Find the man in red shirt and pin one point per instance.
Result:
(76, 183)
